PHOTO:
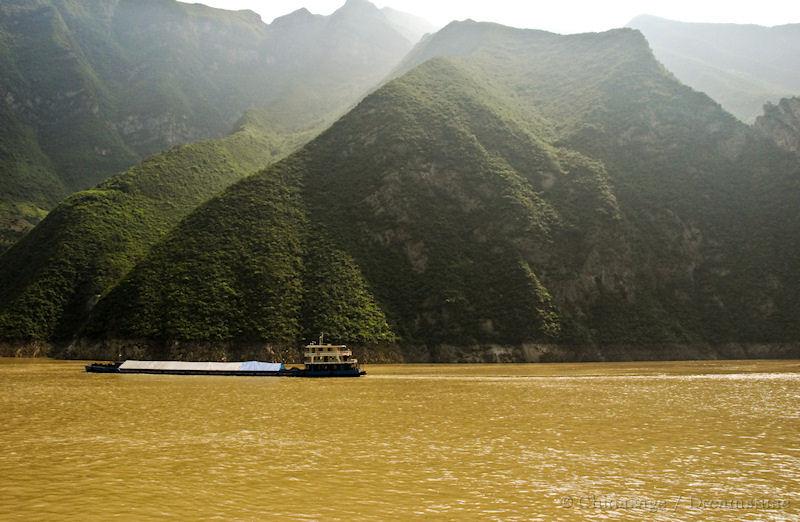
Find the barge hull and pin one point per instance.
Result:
(120, 368)
(206, 372)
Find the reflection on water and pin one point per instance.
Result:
(664, 441)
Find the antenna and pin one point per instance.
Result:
(321, 337)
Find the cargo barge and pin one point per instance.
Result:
(320, 360)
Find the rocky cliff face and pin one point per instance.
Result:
(511, 195)
(781, 123)
(523, 196)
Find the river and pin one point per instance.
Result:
(619, 441)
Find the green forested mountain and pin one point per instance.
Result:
(714, 202)
(52, 277)
(90, 87)
(740, 66)
(28, 181)
(517, 192)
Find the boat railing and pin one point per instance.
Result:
(343, 353)
(352, 362)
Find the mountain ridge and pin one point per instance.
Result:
(101, 85)
(489, 202)
(528, 196)
(95, 236)
(741, 66)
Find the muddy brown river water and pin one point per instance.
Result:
(619, 441)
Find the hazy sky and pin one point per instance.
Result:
(562, 16)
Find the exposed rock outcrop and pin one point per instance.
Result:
(781, 123)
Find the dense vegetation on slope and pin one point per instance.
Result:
(443, 206)
(245, 267)
(282, 270)
(510, 187)
(740, 66)
(90, 87)
(51, 278)
(708, 204)
(28, 184)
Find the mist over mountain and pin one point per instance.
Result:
(507, 194)
(353, 266)
(89, 88)
(741, 66)
(96, 236)
(410, 26)
(516, 194)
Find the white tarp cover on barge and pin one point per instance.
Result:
(178, 366)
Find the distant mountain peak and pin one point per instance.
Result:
(362, 3)
(249, 13)
(741, 66)
(411, 26)
(301, 12)
(351, 5)
(299, 16)
(644, 17)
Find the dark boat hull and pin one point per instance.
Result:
(103, 367)
(333, 373)
(294, 372)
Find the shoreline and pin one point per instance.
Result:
(401, 354)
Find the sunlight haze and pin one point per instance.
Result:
(568, 16)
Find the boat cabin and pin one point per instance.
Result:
(321, 357)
